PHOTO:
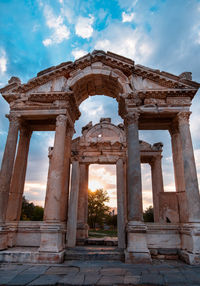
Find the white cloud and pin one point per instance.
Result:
(84, 27)
(127, 17)
(131, 43)
(78, 53)
(3, 61)
(47, 42)
(60, 30)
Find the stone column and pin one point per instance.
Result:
(190, 174)
(55, 175)
(134, 184)
(137, 251)
(52, 231)
(177, 159)
(66, 174)
(73, 205)
(157, 184)
(190, 232)
(18, 177)
(6, 175)
(179, 171)
(82, 226)
(120, 203)
(7, 165)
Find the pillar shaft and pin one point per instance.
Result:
(18, 178)
(7, 165)
(66, 175)
(53, 200)
(157, 184)
(120, 203)
(177, 159)
(190, 174)
(83, 194)
(73, 205)
(134, 185)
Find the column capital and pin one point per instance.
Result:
(131, 118)
(61, 120)
(14, 119)
(183, 117)
(157, 157)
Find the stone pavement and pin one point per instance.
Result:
(101, 273)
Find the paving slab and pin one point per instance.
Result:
(152, 279)
(62, 270)
(72, 279)
(132, 279)
(91, 279)
(110, 280)
(46, 280)
(113, 271)
(175, 278)
(94, 273)
(23, 279)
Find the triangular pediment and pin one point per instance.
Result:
(54, 79)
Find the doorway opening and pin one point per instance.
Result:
(102, 204)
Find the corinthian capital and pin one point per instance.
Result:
(61, 120)
(14, 119)
(131, 118)
(183, 117)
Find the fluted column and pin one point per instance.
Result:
(18, 177)
(73, 205)
(157, 184)
(120, 203)
(134, 184)
(52, 209)
(136, 251)
(82, 227)
(177, 158)
(66, 174)
(190, 174)
(7, 165)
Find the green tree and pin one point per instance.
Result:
(97, 210)
(148, 214)
(30, 211)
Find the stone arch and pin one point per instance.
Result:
(98, 79)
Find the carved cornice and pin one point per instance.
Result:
(164, 78)
(163, 93)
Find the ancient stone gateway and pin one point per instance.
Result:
(148, 100)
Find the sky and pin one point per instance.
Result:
(160, 34)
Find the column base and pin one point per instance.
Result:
(3, 237)
(52, 237)
(137, 250)
(189, 258)
(190, 243)
(12, 233)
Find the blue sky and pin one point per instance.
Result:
(34, 35)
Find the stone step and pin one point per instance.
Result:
(106, 241)
(94, 253)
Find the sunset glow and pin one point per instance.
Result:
(94, 185)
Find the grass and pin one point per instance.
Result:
(102, 233)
